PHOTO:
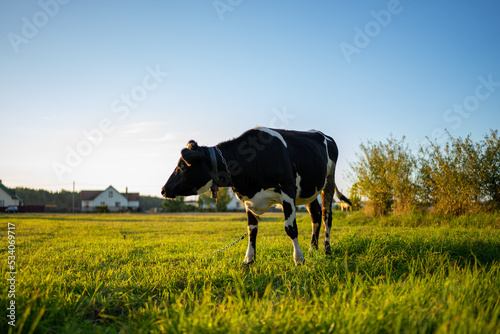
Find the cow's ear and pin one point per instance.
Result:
(192, 145)
(191, 156)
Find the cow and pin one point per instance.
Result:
(265, 167)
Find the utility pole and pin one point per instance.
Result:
(73, 196)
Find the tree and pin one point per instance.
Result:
(462, 176)
(355, 197)
(223, 199)
(148, 202)
(490, 169)
(448, 176)
(175, 205)
(63, 199)
(205, 200)
(385, 175)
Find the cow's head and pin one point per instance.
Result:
(192, 174)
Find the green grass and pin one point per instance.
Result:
(150, 274)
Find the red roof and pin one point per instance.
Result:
(88, 195)
(131, 196)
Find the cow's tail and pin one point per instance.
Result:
(341, 196)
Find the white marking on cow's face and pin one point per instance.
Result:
(272, 133)
(205, 188)
(262, 201)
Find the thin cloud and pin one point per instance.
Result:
(167, 137)
(141, 127)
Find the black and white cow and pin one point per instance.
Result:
(265, 167)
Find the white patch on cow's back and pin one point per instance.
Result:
(272, 133)
(262, 201)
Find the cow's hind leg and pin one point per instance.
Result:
(291, 228)
(326, 203)
(314, 209)
(253, 223)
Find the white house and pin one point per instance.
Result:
(234, 203)
(114, 200)
(8, 196)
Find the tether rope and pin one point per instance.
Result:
(228, 246)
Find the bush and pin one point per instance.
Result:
(450, 176)
(461, 177)
(490, 169)
(384, 174)
(102, 209)
(175, 205)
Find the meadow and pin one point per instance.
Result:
(129, 273)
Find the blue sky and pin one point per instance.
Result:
(107, 93)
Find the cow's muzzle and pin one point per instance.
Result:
(166, 193)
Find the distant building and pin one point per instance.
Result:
(8, 196)
(114, 200)
(342, 206)
(235, 204)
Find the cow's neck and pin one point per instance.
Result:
(236, 166)
(220, 173)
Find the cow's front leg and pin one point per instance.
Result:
(253, 223)
(291, 228)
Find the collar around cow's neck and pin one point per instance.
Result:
(216, 180)
(213, 162)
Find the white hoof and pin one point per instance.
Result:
(299, 260)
